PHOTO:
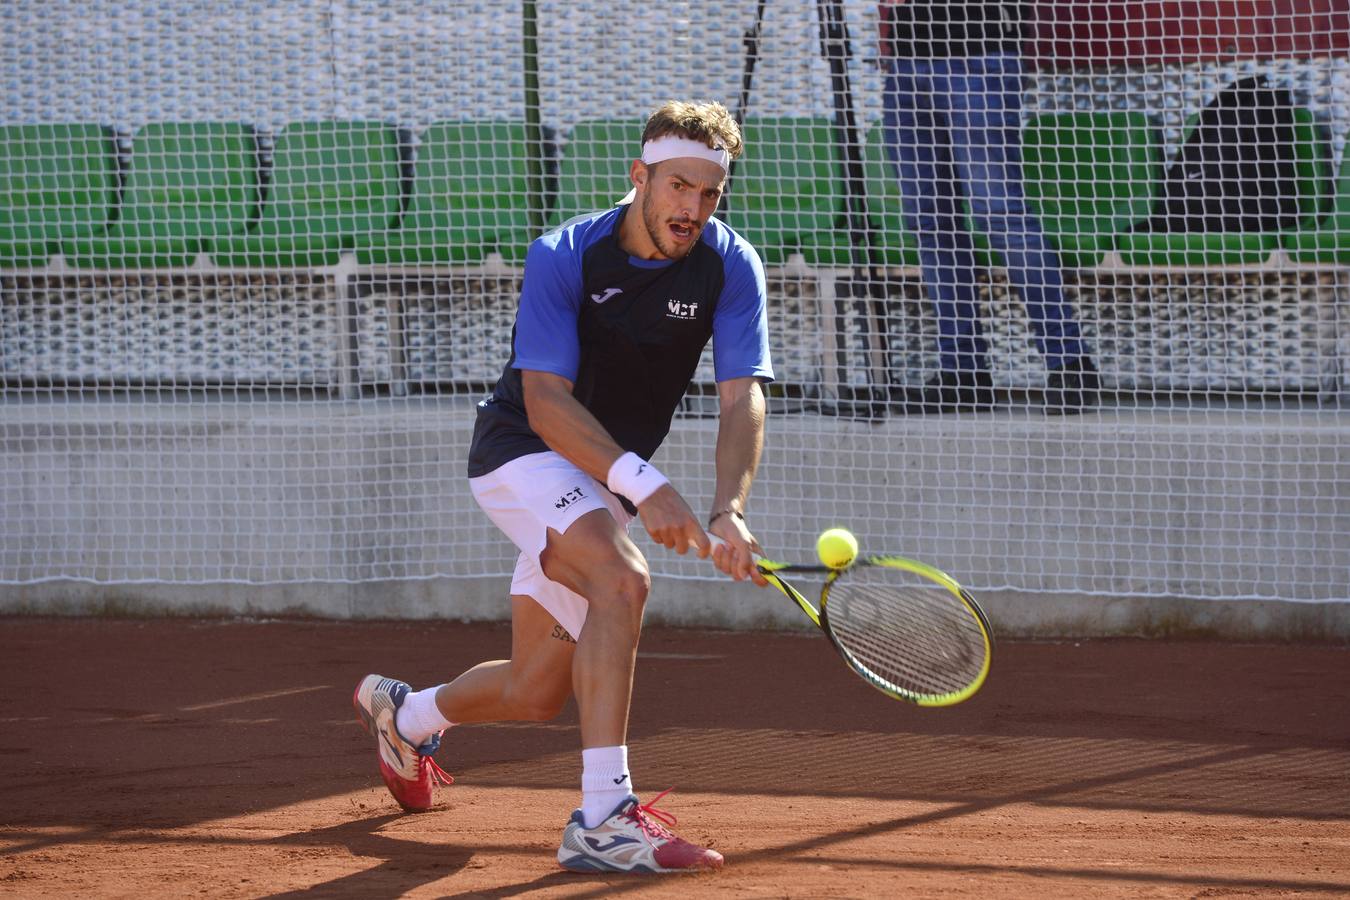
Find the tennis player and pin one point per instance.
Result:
(615, 310)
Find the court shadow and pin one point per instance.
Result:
(571, 882)
(403, 865)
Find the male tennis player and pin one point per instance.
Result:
(615, 310)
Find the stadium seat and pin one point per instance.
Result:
(787, 195)
(1239, 248)
(1327, 241)
(593, 172)
(189, 183)
(56, 182)
(335, 186)
(1089, 176)
(470, 197)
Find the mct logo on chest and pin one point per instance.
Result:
(677, 310)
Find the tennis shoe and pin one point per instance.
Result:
(633, 839)
(409, 772)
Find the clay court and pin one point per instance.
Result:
(177, 757)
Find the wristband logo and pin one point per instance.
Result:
(642, 467)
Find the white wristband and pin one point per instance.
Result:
(635, 478)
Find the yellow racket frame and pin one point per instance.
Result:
(772, 570)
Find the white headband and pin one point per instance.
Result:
(672, 147)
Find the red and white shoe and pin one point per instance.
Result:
(633, 839)
(409, 772)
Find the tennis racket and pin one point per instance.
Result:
(908, 629)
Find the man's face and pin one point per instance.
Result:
(678, 198)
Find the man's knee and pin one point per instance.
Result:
(630, 587)
(619, 595)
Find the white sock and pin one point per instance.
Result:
(605, 782)
(419, 717)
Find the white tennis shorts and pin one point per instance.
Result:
(525, 498)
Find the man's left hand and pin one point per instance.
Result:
(735, 555)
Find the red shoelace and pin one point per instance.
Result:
(644, 813)
(426, 765)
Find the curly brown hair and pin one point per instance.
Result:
(708, 122)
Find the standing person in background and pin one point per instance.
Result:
(953, 118)
(615, 310)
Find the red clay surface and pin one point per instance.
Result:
(217, 758)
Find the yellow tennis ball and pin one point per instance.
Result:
(836, 547)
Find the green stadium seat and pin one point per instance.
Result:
(56, 181)
(335, 186)
(593, 172)
(1328, 241)
(787, 195)
(1239, 248)
(470, 197)
(1089, 176)
(188, 184)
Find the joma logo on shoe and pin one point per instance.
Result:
(616, 841)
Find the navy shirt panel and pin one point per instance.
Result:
(627, 332)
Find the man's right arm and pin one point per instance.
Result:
(567, 426)
(570, 430)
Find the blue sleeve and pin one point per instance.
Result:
(740, 324)
(550, 301)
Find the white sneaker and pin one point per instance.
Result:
(632, 839)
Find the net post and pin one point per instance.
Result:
(858, 292)
(349, 361)
(534, 131)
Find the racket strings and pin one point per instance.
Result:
(914, 637)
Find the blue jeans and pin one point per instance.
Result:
(952, 126)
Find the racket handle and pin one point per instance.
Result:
(717, 541)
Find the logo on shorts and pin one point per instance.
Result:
(569, 498)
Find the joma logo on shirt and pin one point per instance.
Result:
(568, 498)
(677, 310)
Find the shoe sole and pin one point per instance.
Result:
(583, 865)
(587, 865)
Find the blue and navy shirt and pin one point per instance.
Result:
(627, 332)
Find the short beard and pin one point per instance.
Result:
(657, 232)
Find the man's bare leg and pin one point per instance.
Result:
(596, 559)
(533, 685)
